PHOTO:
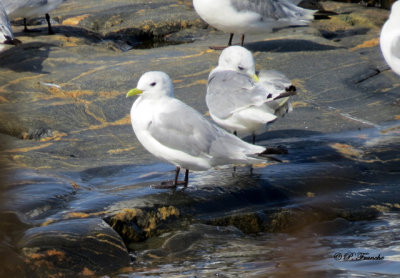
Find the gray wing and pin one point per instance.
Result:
(230, 91)
(273, 9)
(182, 128)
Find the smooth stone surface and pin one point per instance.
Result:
(69, 157)
(77, 247)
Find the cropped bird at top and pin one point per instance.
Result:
(242, 102)
(6, 34)
(251, 16)
(390, 38)
(174, 132)
(31, 9)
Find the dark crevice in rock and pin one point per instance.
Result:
(27, 134)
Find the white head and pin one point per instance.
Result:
(154, 84)
(238, 59)
(395, 11)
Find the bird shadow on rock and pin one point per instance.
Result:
(340, 34)
(286, 133)
(68, 31)
(26, 57)
(288, 45)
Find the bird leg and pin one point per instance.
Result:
(229, 43)
(177, 170)
(26, 30)
(25, 26)
(223, 47)
(172, 184)
(242, 40)
(186, 181)
(230, 39)
(234, 167)
(51, 32)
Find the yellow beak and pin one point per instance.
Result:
(255, 78)
(134, 92)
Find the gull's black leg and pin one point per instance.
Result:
(186, 178)
(177, 170)
(230, 39)
(254, 139)
(26, 30)
(234, 167)
(25, 26)
(223, 47)
(242, 40)
(51, 32)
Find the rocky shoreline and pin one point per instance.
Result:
(76, 195)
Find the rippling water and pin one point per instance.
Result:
(367, 249)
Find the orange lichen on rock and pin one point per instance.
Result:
(28, 149)
(370, 43)
(73, 21)
(118, 151)
(346, 150)
(165, 212)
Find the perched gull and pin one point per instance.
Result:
(251, 16)
(6, 34)
(242, 102)
(175, 132)
(31, 9)
(390, 38)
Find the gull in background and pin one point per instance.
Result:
(31, 9)
(6, 34)
(251, 16)
(390, 38)
(242, 102)
(175, 132)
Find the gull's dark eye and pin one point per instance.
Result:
(153, 84)
(240, 68)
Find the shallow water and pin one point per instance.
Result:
(360, 249)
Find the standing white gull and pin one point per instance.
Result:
(31, 9)
(175, 132)
(251, 16)
(390, 38)
(242, 102)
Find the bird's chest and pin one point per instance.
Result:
(144, 113)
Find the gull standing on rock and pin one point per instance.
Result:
(390, 38)
(31, 9)
(242, 102)
(6, 34)
(175, 132)
(251, 16)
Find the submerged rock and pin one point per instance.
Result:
(82, 162)
(75, 247)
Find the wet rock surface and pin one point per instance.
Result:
(76, 195)
(76, 247)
